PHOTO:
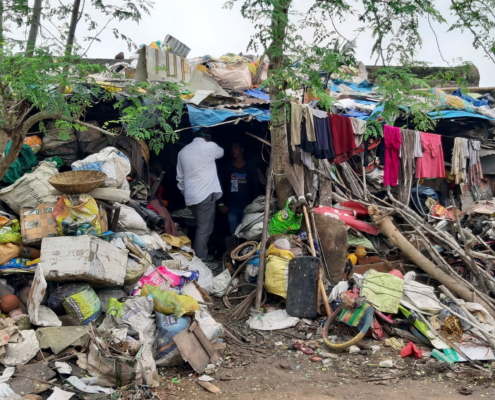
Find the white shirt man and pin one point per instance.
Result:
(198, 180)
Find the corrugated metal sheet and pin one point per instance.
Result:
(175, 46)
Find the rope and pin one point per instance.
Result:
(235, 254)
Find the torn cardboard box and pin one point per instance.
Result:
(36, 224)
(83, 258)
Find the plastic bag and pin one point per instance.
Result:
(135, 269)
(110, 161)
(114, 308)
(78, 300)
(10, 233)
(22, 164)
(168, 302)
(205, 279)
(234, 76)
(285, 221)
(8, 251)
(220, 283)
(168, 327)
(77, 215)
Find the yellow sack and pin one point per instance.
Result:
(277, 271)
(285, 254)
(168, 302)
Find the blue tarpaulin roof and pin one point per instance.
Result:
(446, 114)
(209, 117)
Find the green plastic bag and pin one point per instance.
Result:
(114, 307)
(10, 232)
(285, 221)
(24, 162)
(167, 302)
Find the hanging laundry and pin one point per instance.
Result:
(432, 164)
(475, 173)
(307, 145)
(298, 114)
(307, 160)
(359, 128)
(342, 136)
(458, 169)
(393, 141)
(407, 164)
(418, 150)
(324, 148)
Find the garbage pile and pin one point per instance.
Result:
(421, 286)
(93, 288)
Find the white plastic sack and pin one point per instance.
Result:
(131, 221)
(254, 232)
(153, 241)
(420, 296)
(31, 189)
(5, 391)
(110, 161)
(205, 279)
(211, 328)
(40, 315)
(339, 288)
(138, 313)
(251, 226)
(272, 321)
(22, 352)
(220, 283)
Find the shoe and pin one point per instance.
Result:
(211, 265)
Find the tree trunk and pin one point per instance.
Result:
(384, 223)
(34, 29)
(280, 149)
(70, 39)
(72, 27)
(2, 39)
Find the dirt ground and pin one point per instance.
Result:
(268, 367)
(293, 376)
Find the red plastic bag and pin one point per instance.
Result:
(411, 350)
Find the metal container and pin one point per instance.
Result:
(175, 46)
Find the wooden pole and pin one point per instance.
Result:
(310, 233)
(261, 270)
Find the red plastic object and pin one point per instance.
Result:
(397, 273)
(360, 209)
(411, 350)
(347, 218)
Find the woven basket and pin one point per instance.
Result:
(77, 182)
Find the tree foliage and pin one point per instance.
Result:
(149, 116)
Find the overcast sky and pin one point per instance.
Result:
(207, 28)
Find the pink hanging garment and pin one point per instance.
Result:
(393, 140)
(431, 165)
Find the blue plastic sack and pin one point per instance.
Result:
(168, 326)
